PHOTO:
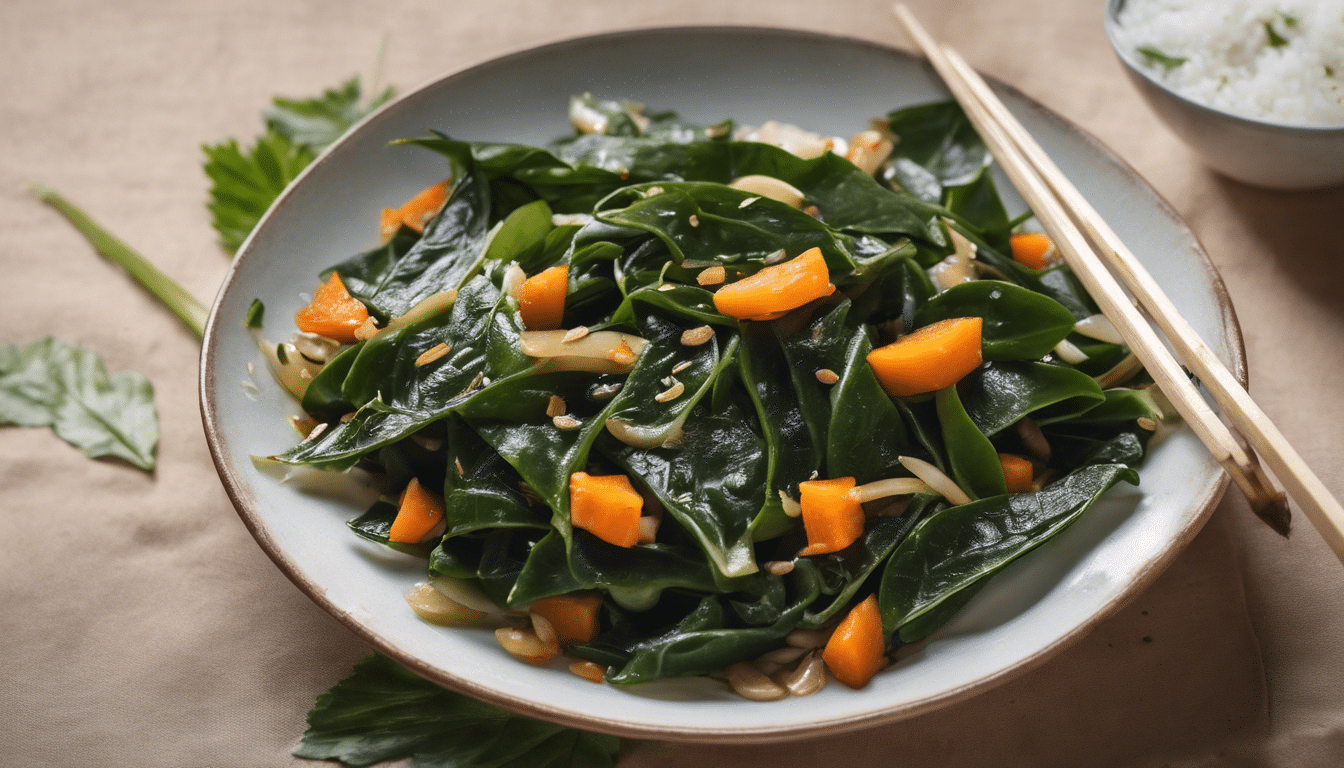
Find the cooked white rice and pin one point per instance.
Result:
(1275, 60)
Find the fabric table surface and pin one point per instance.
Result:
(141, 625)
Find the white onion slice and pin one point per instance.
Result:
(1099, 327)
(938, 481)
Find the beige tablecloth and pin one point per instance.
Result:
(139, 623)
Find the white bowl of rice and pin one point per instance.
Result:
(1255, 87)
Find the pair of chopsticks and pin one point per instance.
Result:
(1076, 227)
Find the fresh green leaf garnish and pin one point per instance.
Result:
(383, 712)
(51, 383)
(1275, 39)
(1160, 59)
(184, 305)
(245, 181)
(317, 122)
(256, 314)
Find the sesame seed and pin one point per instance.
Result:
(776, 257)
(574, 334)
(317, 431)
(696, 336)
(1146, 423)
(779, 567)
(671, 393)
(457, 463)
(813, 211)
(712, 276)
(433, 353)
(679, 367)
(694, 220)
(347, 417)
(747, 202)
(827, 376)
(666, 287)
(556, 406)
(476, 382)
(651, 191)
(566, 422)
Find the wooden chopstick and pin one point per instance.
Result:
(1010, 148)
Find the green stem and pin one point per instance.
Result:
(183, 304)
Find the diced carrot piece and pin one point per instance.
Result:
(543, 299)
(777, 288)
(416, 212)
(832, 515)
(1031, 249)
(606, 506)
(334, 313)
(574, 616)
(417, 514)
(932, 358)
(1017, 472)
(855, 651)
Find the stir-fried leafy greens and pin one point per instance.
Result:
(636, 211)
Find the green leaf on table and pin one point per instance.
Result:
(319, 121)
(246, 180)
(51, 383)
(383, 712)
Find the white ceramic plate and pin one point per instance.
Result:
(829, 84)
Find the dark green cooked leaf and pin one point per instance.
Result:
(938, 138)
(972, 458)
(396, 397)
(998, 394)
(956, 547)
(1019, 324)
(711, 482)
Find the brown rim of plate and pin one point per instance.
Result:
(244, 503)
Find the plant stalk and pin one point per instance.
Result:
(175, 297)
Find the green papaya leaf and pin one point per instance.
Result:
(940, 139)
(324, 398)
(1019, 324)
(997, 395)
(854, 419)
(444, 258)
(697, 647)
(396, 397)
(711, 482)
(793, 457)
(522, 235)
(709, 224)
(974, 461)
(952, 549)
(513, 421)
